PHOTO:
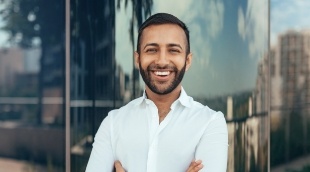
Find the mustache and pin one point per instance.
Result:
(158, 67)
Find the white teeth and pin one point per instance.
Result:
(162, 73)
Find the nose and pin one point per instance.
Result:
(162, 59)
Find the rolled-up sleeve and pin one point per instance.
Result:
(101, 158)
(213, 146)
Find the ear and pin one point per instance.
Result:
(189, 60)
(137, 59)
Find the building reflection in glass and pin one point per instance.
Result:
(230, 43)
(31, 85)
(290, 108)
(289, 76)
(229, 73)
(98, 82)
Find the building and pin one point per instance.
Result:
(284, 75)
(11, 63)
(294, 52)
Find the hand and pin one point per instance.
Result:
(195, 166)
(118, 167)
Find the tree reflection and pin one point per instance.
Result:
(37, 24)
(140, 10)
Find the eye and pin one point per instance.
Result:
(151, 50)
(174, 50)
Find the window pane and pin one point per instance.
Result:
(290, 86)
(97, 82)
(229, 73)
(31, 85)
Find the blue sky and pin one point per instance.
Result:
(227, 40)
(288, 14)
(3, 35)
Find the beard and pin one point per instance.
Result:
(151, 83)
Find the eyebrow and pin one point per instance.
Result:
(175, 45)
(151, 44)
(169, 45)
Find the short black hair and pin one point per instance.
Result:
(163, 18)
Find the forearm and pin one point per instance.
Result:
(101, 158)
(213, 146)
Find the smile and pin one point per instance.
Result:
(162, 73)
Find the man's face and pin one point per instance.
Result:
(162, 59)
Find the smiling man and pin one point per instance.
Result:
(165, 130)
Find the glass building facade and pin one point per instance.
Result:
(65, 64)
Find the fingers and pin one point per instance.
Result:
(118, 166)
(195, 166)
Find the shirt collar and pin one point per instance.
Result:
(184, 99)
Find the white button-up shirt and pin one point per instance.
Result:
(134, 136)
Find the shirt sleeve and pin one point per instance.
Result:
(213, 146)
(101, 158)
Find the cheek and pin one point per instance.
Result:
(180, 64)
(144, 63)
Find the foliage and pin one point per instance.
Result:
(32, 22)
(141, 9)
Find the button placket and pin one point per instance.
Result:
(155, 130)
(152, 153)
(152, 157)
(153, 123)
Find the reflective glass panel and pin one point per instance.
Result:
(290, 89)
(229, 73)
(32, 85)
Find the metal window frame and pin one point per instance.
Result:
(67, 90)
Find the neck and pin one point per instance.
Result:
(164, 102)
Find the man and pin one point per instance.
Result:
(164, 130)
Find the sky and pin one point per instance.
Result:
(228, 39)
(3, 35)
(288, 14)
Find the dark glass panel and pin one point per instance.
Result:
(31, 85)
